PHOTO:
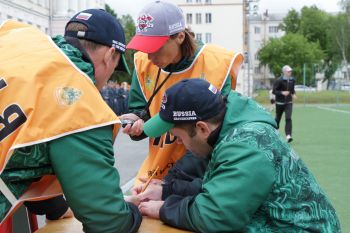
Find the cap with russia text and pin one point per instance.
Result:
(189, 100)
(155, 24)
(102, 28)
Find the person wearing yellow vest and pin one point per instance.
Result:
(168, 53)
(55, 124)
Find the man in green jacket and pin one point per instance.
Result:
(254, 181)
(82, 159)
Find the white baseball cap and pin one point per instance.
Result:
(286, 68)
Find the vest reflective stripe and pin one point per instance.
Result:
(212, 63)
(43, 95)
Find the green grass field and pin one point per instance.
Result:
(324, 97)
(322, 139)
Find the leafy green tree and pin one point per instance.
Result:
(339, 40)
(291, 23)
(110, 10)
(314, 25)
(294, 50)
(129, 28)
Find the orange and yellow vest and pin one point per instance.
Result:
(43, 96)
(212, 63)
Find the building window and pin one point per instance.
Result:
(207, 37)
(189, 18)
(199, 36)
(207, 17)
(198, 18)
(207, 1)
(9, 17)
(198, 1)
(273, 29)
(257, 30)
(189, 1)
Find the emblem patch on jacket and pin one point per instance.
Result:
(149, 83)
(68, 95)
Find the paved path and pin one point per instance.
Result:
(129, 156)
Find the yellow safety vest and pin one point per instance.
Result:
(212, 63)
(43, 96)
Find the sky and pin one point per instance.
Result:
(133, 7)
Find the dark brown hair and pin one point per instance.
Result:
(189, 45)
(87, 44)
(190, 127)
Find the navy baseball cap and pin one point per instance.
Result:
(190, 100)
(102, 28)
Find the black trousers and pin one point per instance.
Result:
(287, 109)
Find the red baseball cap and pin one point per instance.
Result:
(147, 44)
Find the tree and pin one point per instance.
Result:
(129, 28)
(110, 10)
(128, 25)
(314, 25)
(291, 23)
(294, 50)
(339, 40)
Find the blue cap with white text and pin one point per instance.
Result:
(189, 100)
(102, 28)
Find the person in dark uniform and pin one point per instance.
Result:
(283, 88)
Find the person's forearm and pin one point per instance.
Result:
(83, 163)
(182, 187)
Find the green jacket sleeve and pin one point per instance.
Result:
(237, 182)
(137, 101)
(83, 163)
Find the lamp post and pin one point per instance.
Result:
(250, 7)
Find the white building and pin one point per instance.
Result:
(216, 21)
(261, 29)
(50, 16)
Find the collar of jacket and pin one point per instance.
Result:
(76, 43)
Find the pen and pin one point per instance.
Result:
(149, 180)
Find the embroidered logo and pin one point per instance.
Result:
(67, 95)
(144, 21)
(184, 115)
(164, 101)
(213, 89)
(83, 16)
(149, 83)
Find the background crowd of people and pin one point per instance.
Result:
(116, 96)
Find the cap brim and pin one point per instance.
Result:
(147, 44)
(123, 66)
(155, 126)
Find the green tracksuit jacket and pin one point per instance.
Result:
(83, 163)
(254, 182)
